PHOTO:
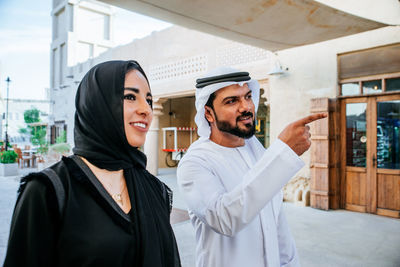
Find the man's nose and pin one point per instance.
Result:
(244, 105)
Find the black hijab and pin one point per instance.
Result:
(100, 138)
(99, 119)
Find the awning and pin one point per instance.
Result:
(269, 24)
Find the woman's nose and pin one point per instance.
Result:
(144, 108)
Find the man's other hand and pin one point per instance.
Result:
(297, 134)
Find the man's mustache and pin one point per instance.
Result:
(245, 114)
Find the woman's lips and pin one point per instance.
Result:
(141, 126)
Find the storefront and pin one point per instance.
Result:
(362, 136)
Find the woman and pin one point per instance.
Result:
(113, 213)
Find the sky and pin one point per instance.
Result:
(25, 38)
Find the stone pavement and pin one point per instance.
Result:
(8, 195)
(323, 238)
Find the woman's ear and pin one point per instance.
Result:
(209, 114)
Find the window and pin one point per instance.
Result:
(350, 88)
(369, 71)
(372, 87)
(366, 86)
(393, 84)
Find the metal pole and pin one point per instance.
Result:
(8, 83)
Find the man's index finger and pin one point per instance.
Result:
(311, 118)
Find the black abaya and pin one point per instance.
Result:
(93, 230)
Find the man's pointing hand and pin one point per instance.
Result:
(297, 134)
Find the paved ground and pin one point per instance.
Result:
(333, 238)
(323, 238)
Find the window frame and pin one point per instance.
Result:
(360, 80)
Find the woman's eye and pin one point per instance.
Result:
(130, 97)
(150, 102)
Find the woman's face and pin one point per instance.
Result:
(137, 108)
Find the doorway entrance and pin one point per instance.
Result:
(370, 136)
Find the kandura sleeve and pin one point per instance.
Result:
(228, 212)
(32, 235)
(287, 247)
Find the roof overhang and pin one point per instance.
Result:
(269, 24)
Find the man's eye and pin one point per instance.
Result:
(230, 101)
(248, 96)
(130, 97)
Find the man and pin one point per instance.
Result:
(232, 185)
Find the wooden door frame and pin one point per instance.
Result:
(371, 164)
(372, 192)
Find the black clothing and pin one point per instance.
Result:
(93, 230)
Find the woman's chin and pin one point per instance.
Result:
(136, 143)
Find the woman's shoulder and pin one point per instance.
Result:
(47, 183)
(35, 193)
(41, 178)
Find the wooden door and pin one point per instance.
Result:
(371, 154)
(386, 156)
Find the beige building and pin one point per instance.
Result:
(355, 160)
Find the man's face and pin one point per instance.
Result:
(234, 111)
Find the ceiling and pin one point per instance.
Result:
(269, 24)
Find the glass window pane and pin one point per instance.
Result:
(393, 84)
(350, 89)
(372, 87)
(388, 135)
(356, 134)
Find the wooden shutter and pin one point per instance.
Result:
(52, 134)
(66, 135)
(324, 166)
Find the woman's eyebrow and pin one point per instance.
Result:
(132, 89)
(137, 91)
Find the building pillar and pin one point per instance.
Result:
(151, 146)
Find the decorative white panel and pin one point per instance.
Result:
(178, 69)
(239, 53)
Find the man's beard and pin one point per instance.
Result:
(225, 126)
